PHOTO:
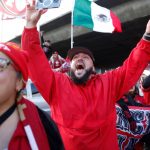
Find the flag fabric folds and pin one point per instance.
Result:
(90, 15)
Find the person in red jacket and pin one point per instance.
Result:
(83, 102)
(21, 126)
(58, 63)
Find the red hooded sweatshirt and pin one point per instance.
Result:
(22, 138)
(85, 114)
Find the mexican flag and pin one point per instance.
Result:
(90, 15)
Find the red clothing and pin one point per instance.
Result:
(146, 97)
(56, 62)
(19, 140)
(85, 114)
(140, 99)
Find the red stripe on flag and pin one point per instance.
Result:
(116, 22)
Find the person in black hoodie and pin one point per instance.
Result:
(46, 45)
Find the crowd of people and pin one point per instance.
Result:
(89, 111)
(56, 62)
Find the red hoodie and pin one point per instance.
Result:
(29, 118)
(85, 114)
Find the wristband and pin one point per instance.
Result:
(146, 36)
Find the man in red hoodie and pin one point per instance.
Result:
(83, 103)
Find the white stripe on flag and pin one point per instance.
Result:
(101, 18)
(90, 15)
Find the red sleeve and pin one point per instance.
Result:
(40, 71)
(124, 77)
(146, 97)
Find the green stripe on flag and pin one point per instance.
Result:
(82, 14)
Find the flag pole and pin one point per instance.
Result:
(72, 31)
(72, 42)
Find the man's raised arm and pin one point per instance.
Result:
(39, 68)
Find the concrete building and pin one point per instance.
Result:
(109, 49)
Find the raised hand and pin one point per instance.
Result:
(32, 15)
(148, 27)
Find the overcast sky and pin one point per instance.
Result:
(12, 28)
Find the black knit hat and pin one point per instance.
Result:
(75, 50)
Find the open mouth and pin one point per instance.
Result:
(80, 66)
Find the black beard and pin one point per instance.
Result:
(83, 79)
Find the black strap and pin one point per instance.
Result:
(146, 82)
(8, 113)
(146, 36)
(127, 114)
(132, 102)
(53, 135)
